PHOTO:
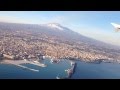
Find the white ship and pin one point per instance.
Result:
(57, 77)
(72, 63)
(35, 61)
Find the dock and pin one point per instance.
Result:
(71, 70)
(24, 67)
(19, 62)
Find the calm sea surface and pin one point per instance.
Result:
(83, 71)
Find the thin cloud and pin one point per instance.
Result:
(12, 19)
(40, 20)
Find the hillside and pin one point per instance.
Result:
(53, 40)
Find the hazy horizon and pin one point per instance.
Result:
(94, 24)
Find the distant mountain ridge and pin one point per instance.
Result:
(53, 40)
(54, 29)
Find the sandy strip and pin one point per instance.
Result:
(18, 62)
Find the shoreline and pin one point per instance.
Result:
(19, 62)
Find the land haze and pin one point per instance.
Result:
(26, 41)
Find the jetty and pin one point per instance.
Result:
(71, 70)
(20, 62)
(24, 67)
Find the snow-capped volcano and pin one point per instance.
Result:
(55, 25)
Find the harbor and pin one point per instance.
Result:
(24, 67)
(63, 70)
(71, 71)
(19, 62)
(42, 67)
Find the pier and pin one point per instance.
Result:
(19, 62)
(24, 67)
(71, 70)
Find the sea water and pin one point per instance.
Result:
(52, 70)
(82, 71)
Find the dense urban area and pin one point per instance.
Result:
(18, 43)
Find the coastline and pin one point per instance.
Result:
(19, 62)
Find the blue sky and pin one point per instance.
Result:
(94, 24)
